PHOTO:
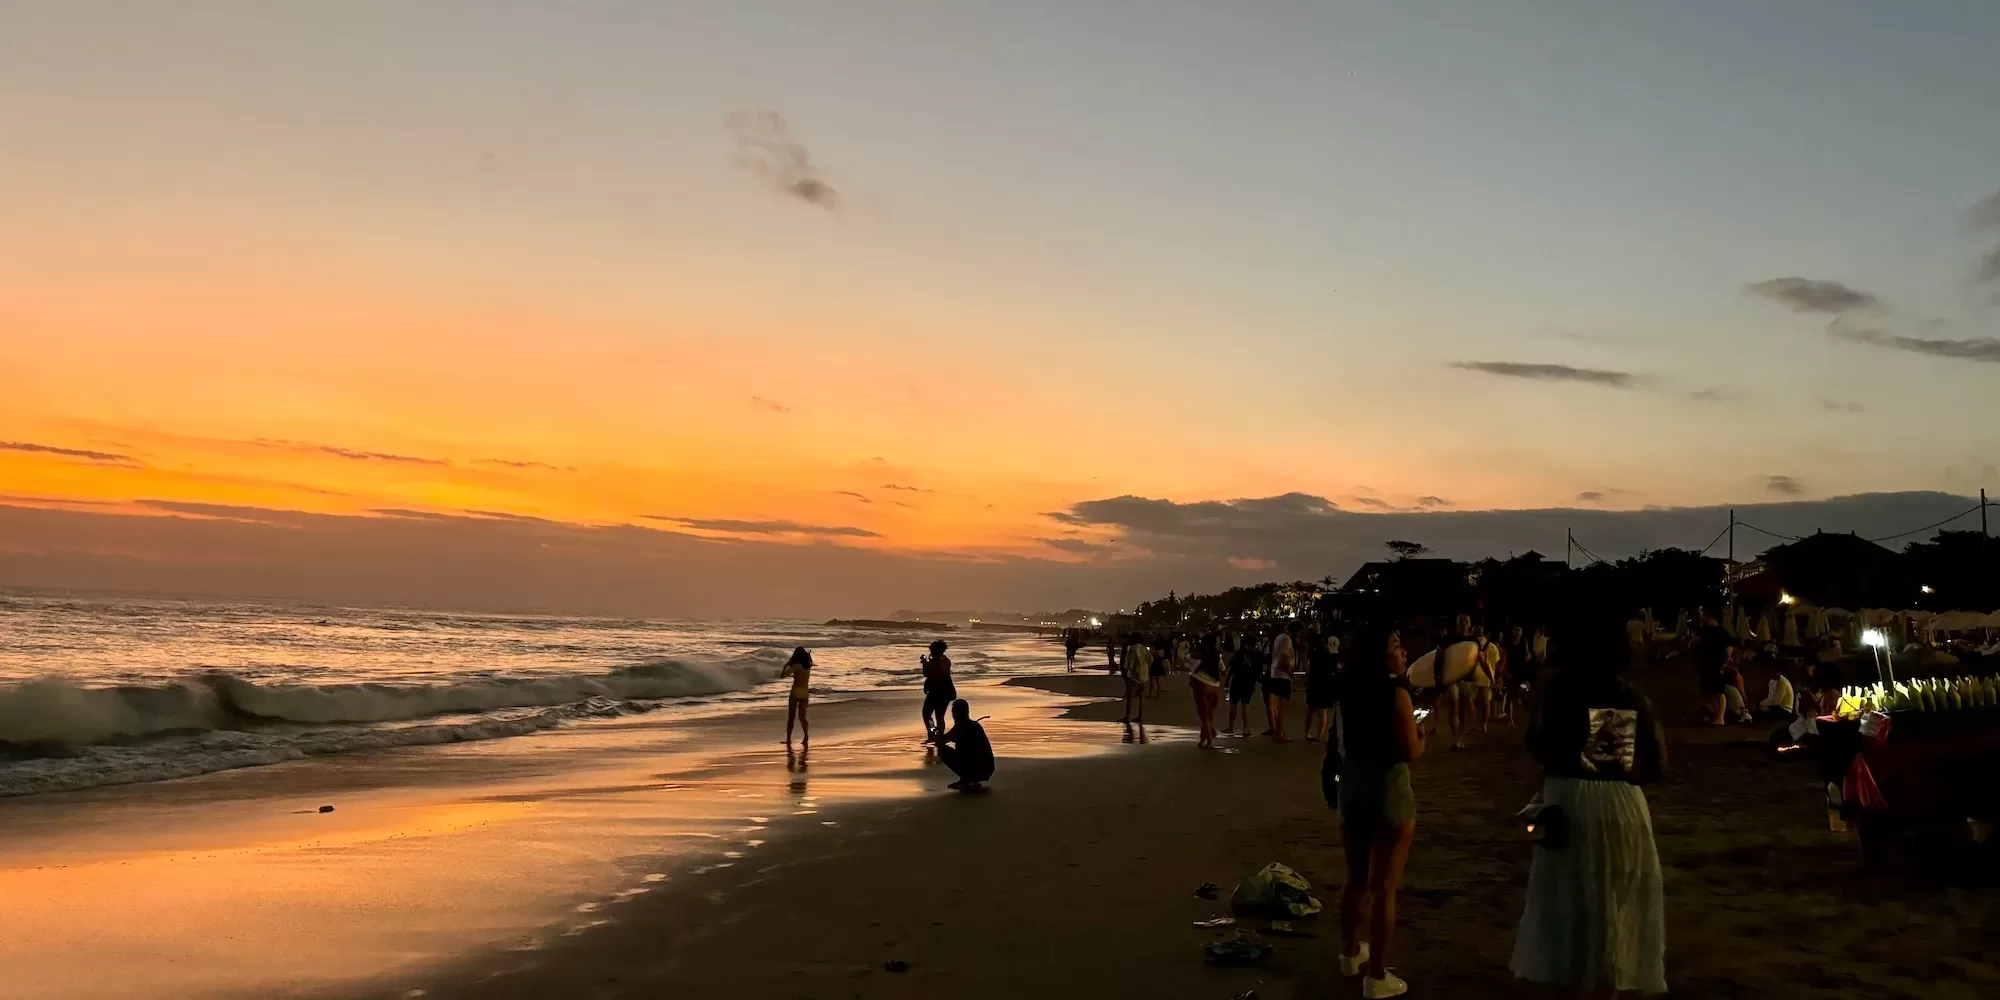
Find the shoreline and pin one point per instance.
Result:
(1076, 876)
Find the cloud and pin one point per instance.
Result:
(1811, 296)
(1076, 546)
(1433, 502)
(1784, 484)
(906, 489)
(863, 497)
(1247, 563)
(1590, 496)
(1843, 406)
(1713, 394)
(734, 526)
(765, 147)
(1986, 215)
(1374, 502)
(1550, 373)
(518, 464)
(769, 404)
(350, 454)
(104, 457)
(1971, 349)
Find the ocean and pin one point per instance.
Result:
(99, 691)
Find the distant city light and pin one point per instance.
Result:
(1926, 588)
(1094, 621)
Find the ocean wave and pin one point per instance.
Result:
(50, 711)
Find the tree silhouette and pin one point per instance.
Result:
(1407, 550)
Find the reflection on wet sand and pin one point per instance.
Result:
(237, 883)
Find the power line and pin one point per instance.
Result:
(1773, 534)
(1928, 527)
(1712, 541)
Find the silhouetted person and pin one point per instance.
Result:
(966, 749)
(938, 688)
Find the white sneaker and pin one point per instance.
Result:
(1351, 967)
(1387, 986)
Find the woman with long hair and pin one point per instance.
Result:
(1206, 683)
(1379, 738)
(799, 669)
(1595, 919)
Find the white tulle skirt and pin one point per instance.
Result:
(1596, 913)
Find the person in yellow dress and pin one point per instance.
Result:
(799, 669)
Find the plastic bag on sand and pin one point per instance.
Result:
(1276, 891)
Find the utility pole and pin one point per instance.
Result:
(1732, 535)
(1982, 520)
(1569, 542)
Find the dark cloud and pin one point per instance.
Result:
(1970, 349)
(1590, 496)
(104, 457)
(765, 147)
(1550, 373)
(1843, 406)
(863, 497)
(1433, 502)
(1378, 504)
(1784, 484)
(350, 454)
(906, 489)
(1811, 296)
(734, 526)
(769, 404)
(1076, 546)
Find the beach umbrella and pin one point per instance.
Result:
(1792, 631)
(1742, 623)
(1765, 628)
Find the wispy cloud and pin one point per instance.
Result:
(732, 526)
(906, 489)
(1550, 372)
(1433, 502)
(1815, 296)
(1375, 502)
(351, 454)
(1843, 406)
(1969, 349)
(769, 404)
(1786, 485)
(1590, 496)
(863, 497)
(103, 457)
(765, 147)
(1076, 546)
(1718, 394)
(512, 463)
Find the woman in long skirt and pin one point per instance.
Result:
(1595, 919)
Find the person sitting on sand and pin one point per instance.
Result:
(1732, 687)
(799, 669)
(1780, 698)
(1380, 738)
(1138, 664)
(939, 691)
(965, 749)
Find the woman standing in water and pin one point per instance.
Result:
(939, 691)
(799, 668)
(1379, 739)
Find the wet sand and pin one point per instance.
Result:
(1074, 878)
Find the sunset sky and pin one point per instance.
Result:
(909, 278)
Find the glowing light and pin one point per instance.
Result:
(1926, 588)
(1874, 637)
(1094, 622)
(1784, 598)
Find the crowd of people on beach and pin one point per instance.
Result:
(1594, 914)
(1377, 694)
